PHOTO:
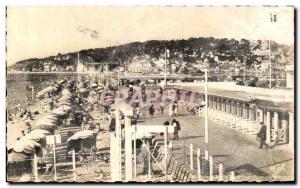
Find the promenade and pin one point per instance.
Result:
(235, 150)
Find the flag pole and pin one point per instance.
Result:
(165, 66)
(270, 64)
(206, 110)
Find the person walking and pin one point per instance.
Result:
(262, 135)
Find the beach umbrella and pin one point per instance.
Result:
(83, 90)
(45, 126)
(105, 103)
(25, 145)
(65, 103)
(62, 81)
(99, 88)
(94, 85)
(47, 122)
(65, 98)
(82, 135)
(43, 92)
(151, 81)
(66, 92)
(60, 111)
(36, 135)
(67, 108)
(108, 97)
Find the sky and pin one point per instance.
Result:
(37, 32)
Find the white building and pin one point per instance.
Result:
(290, 76)
(139, 66)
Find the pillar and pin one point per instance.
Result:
(246, 111)
(268, 124)
(251, 113)
(276, 121)
(238, 109)
(228, 107)
(284, 126)
(291, 130)
(118, 146)
(221, 104)
(243, 110)
(215, 103)
(233, 108)
(224, 105)
(261, 115)
(128, 149)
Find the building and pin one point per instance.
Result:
(47, 67)
(290, 76)
(160, 63)
(140, 66)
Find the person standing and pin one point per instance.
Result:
(175, 108)
(177, 128)
(146, 157)
(262, 135)
(151, 110)
(162, 108)
(170, 109)
(51, 104)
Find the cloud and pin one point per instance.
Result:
(88, 32)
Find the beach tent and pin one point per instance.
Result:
(83, 141)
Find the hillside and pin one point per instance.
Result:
(186, 56)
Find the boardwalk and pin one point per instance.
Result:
(237, 151)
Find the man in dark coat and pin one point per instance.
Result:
(151, 110)
(262, 135)
(177, 128)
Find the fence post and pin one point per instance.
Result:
(211, 169)
(32, 93)
(149, 161)
(232, 176)
(166, 151)
(198, 164)
(54, 159)
(191, 157)
(35, 163)
(185, 153)
(220, 172)
(134, 150)
(74, 165)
